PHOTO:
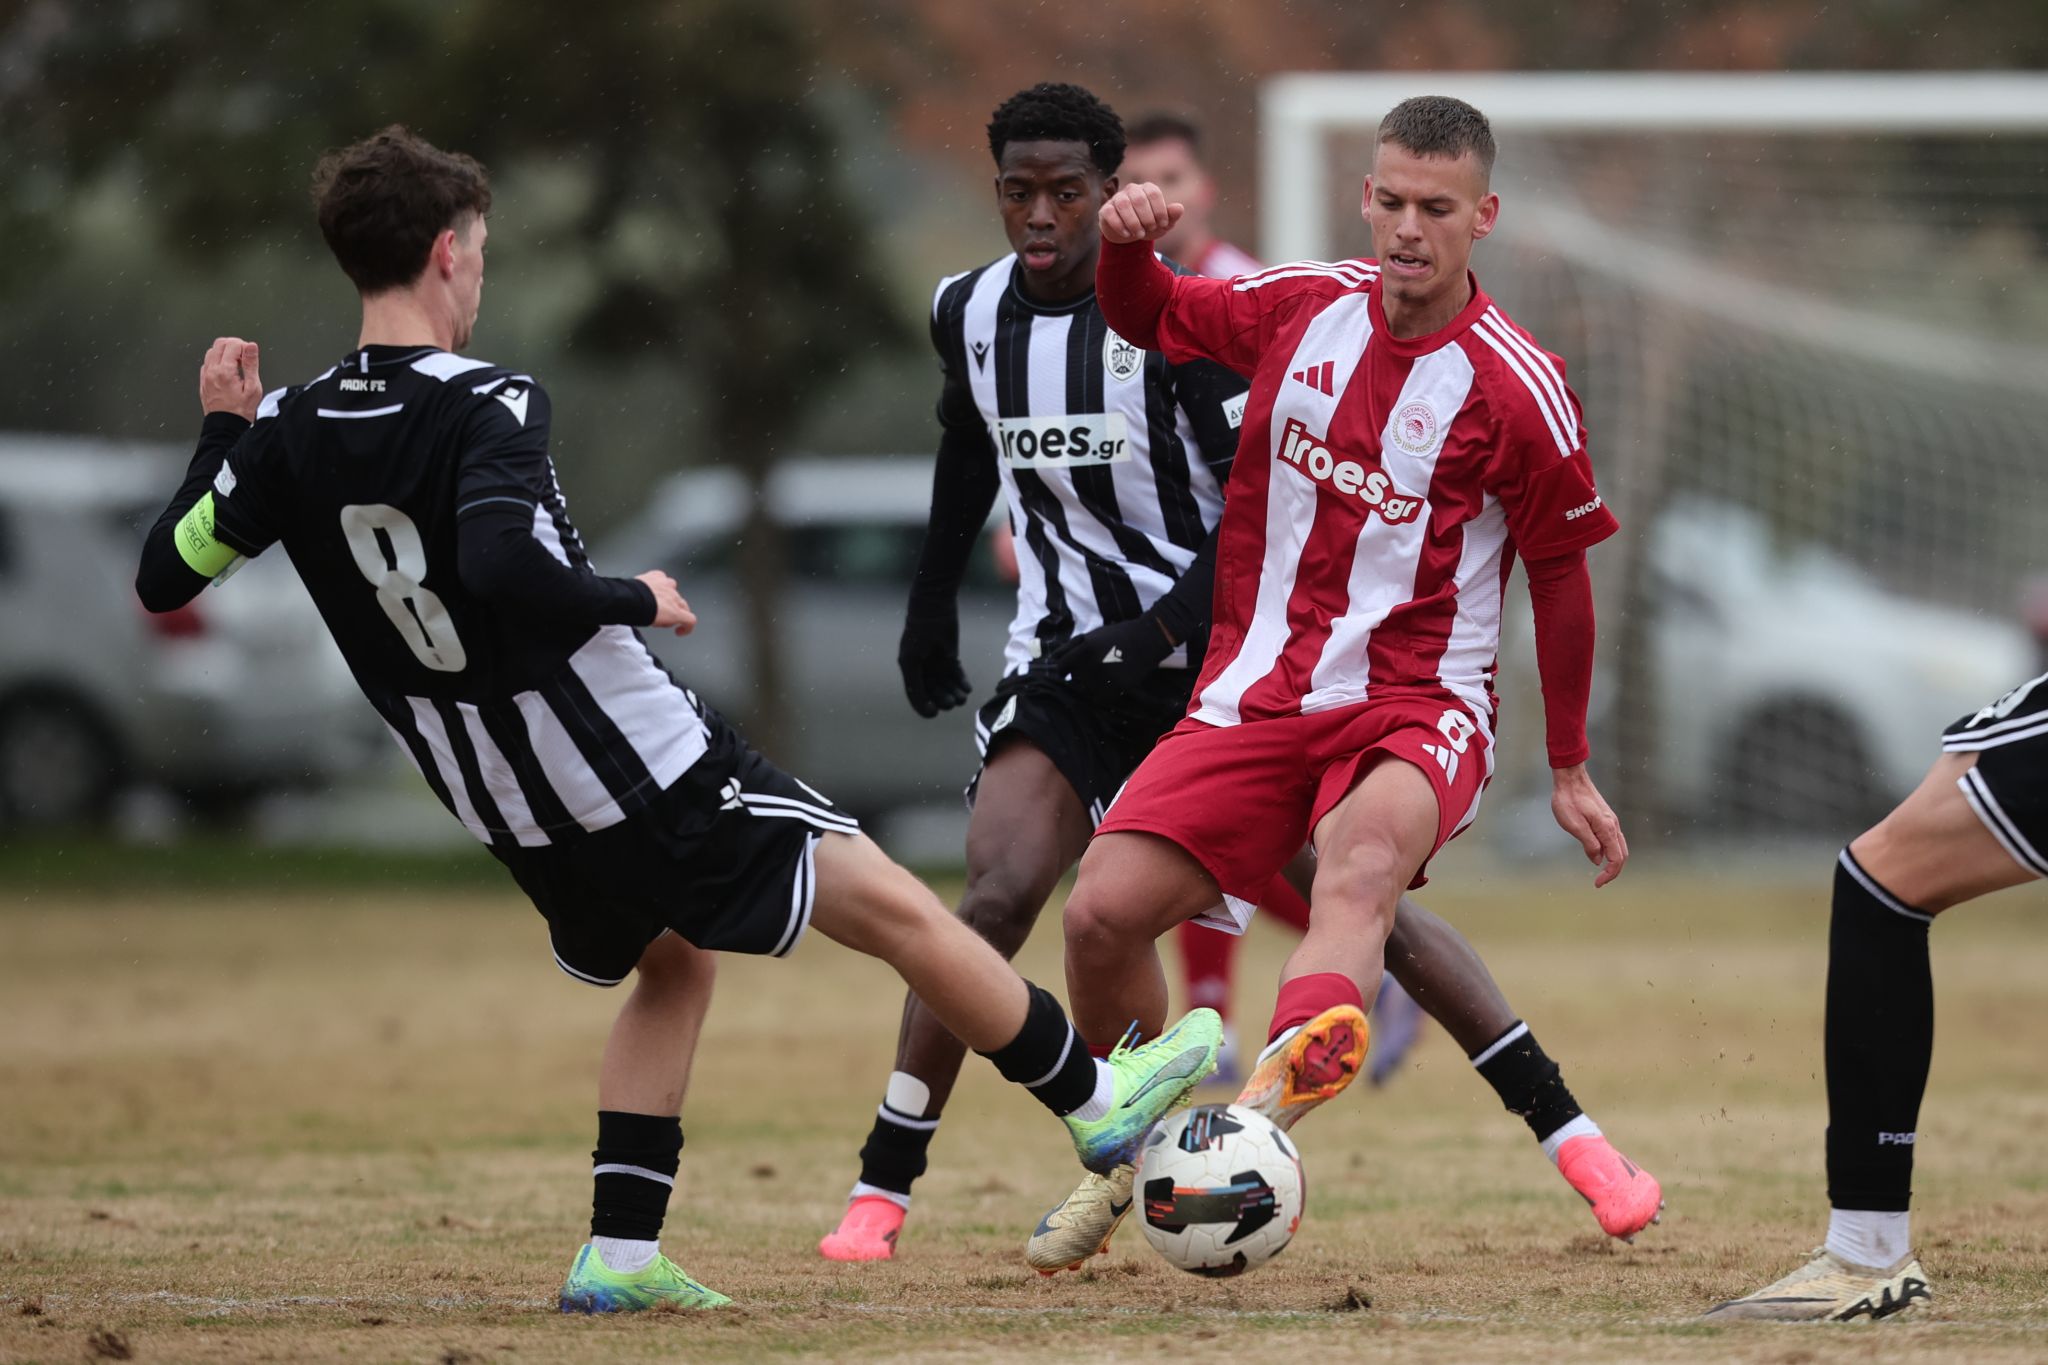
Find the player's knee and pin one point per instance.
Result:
(1001, 910)
(673, 965)
(1362, 882)
(1092, 918)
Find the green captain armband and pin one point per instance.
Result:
(196, 543)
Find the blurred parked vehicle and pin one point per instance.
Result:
(239, 693)
(1793, 691)
(854, 527)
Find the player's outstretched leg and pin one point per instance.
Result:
(1028, 828)
(1937, 850)
(1369, 847)
(1448, 979)
(1133, 888)
(873, 906)
(640, 1088)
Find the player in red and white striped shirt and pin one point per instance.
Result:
(1403, 442)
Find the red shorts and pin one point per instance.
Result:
(1243, 799)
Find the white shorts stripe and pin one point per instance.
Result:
(802, 899)
(2000, 727)
(1974, 742)
(620, 1168)
(586, 976)
(798, 810)
(1979, 794)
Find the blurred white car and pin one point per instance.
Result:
(852, 527)
(240, 692)
(1794, 691)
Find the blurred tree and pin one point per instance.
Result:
(686, 212)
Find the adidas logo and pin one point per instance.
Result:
(1322, 378)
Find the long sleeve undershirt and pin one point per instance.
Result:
(1561, 591)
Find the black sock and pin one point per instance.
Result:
(894, 1156)
(1047, 1057)
(1527, 1081)
(1880, 1041)
(632, 1172)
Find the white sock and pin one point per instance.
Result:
(1582, 1126)
(1868, 1237)
(1105, 1092)
(863, 1190)
(626, 1254)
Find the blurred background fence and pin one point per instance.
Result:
(1814, 361)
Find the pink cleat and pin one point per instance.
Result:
(867, 1232)
(1625, 1197)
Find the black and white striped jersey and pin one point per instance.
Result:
(527, 727)
(1113, 460)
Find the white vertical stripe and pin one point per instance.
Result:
(436, 735)
(1557, 434)
(1045, 390)
(978, 325)
(546, 532)
(583, 792)
(652, 713)
(1472, 651)
(1386, 559)
(1290, 510)
(500, 781)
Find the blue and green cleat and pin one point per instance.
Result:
(1152, 1080)
(594, 1287)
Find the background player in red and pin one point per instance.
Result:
(1166, 150)
(1402, 442)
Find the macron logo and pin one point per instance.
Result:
(515, 402)
(1322, 378)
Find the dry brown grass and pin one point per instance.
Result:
(293, 1126)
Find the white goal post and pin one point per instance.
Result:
(1807, 315)
(1298, 112)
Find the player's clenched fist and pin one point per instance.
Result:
(1139, 213)
(670, 610)
(228, 381)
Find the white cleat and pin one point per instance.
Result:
(1830, 1289)
(1081, 1225)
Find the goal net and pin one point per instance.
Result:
(1808, 319)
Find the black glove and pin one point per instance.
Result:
(1112, 660)
(929, 655)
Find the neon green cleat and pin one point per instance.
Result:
(1152, 1081)
(594, 1287)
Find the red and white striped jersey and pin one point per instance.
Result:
(1381, 491)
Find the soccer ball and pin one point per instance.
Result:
(1220, 1188)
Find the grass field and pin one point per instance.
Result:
(244, 1124)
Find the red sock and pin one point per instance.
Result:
(1206, 956)
(1101, 1050)
(1303, 998)
(1286, 904)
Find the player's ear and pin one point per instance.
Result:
(443, 257)
(1488, 217)
(1110, 185)
(1365, 198)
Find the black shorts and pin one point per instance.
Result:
(2008, 788)
(722, 858)
(1096, 745)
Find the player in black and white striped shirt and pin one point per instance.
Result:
(413, 490)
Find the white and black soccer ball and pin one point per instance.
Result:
(1220, 1189)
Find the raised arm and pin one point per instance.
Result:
(1187, 317)
(187, 548)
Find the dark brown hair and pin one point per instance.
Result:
(1437, 125)
(1165, 127)
(384, 200)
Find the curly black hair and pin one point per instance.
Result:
(1059, 113)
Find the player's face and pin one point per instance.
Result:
(1049, 194)
(467, 283)
(1425, 213)
(1171, 165)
